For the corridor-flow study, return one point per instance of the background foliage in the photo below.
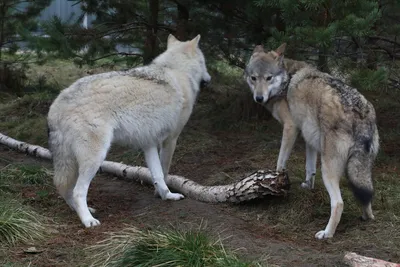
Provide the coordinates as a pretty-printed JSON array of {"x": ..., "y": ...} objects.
[{"x": 353, "y": 36}]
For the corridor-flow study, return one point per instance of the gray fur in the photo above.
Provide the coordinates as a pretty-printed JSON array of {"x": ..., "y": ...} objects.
[{"x": 335, "y": 120}]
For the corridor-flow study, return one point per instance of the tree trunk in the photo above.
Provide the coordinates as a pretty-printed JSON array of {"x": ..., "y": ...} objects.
[
  {"x": 323, "y": 60},
  {"x": 325, "y": 19},
  {"x": 3, "y": 70},
  {"x": 372, "y": 57},
  {"x": 151, "y": 44},
  {"x": 183, "y": 18},
  {"x": 256, "y": 185},
  {"x": 354, "y": 260},
  {"x": 280, "y": 24}
]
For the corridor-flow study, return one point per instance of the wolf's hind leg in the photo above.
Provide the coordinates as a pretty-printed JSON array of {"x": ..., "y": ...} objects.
[
  {"x": 153, "y": 163},
  {"x": 87, "y": 171},
  {"x": 70, "y": 201},
  {"x": 311, "y": 167},
  {"x": 332, "y": 170},
  {"x": 89, "y": 157}
]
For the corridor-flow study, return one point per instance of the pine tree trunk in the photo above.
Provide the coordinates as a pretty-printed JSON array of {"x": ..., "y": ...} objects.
[
  {"x": 323, "y": 60},
  {"x": 3, "y": 11},
  {"x": 183, "y": 18},
  {"x": 151, "y": 44},
  {"x": 256, "y": 185}
]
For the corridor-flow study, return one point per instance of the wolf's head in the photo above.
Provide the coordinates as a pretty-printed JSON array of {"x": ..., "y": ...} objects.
[
  {"x": 187, "y": 57},
  {"x": 265, "y": 73}
]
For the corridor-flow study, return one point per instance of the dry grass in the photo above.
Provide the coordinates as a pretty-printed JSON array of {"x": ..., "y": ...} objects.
[{"x": 19, "y": 223}]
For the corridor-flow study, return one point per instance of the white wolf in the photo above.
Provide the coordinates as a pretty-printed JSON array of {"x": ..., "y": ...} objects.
[{"x": 145, "y": 107}]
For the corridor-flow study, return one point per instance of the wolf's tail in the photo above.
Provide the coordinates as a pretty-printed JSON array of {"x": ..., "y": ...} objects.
[
  {"x": 64, "y": 162},
  {"x": 361, "y": 158}
]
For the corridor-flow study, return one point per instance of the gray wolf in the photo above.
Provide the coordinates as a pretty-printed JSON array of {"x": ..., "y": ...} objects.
[
  {"x": 334, "y": 119},
  {"x": 144, "y": 108}
]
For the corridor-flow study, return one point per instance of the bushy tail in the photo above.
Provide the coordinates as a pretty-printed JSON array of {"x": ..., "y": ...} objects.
[
  {"x": 64, "y": 163},
  {"x": 359, "y": 164},
  {"x": 359, "y": 176}
]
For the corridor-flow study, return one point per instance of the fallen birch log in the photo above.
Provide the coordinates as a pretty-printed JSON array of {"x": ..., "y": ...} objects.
[
  {"x": 256, "y": 185},
  {"x": 354, "y": 260}
]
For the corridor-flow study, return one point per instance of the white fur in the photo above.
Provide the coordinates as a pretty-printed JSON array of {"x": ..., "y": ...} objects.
[
  {"x": 142, "y": 108},
  {"x": 274, "y": 86}
]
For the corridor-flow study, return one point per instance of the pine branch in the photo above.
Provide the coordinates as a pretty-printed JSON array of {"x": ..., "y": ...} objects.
[{"x": 385, "y": 39}]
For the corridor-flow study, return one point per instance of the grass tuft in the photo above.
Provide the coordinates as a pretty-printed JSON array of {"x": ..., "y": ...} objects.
[
  {"x": 24, "y": 174},
  {"x": 192, "y": 248},
  {"x": 19, "y": 224}
]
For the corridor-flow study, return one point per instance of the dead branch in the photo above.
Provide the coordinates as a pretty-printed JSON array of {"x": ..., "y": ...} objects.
[
  {"x": 355, "y": 260},
  {"x": 256, "y": 185}
]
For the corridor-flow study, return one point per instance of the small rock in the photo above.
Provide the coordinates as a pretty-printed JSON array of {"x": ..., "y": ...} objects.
[{"x": 33, "y": 250}]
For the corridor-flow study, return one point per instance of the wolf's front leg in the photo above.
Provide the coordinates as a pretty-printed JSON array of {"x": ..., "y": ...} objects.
[
  {"x": 288, "y": 138},
  {"x": 311, "y": 167},
  {"x": 79, "y": 194},
  {"x": 153, "y": 163}
]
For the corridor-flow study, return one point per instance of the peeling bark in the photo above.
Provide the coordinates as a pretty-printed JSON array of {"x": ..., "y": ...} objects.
[{"x": 256, "y": 185}]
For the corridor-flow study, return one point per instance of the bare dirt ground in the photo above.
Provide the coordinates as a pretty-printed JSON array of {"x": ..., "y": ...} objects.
[{"x": 120, "y": 202}]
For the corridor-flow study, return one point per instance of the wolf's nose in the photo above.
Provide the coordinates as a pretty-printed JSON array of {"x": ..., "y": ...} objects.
[
  {"x": 259, "y": 99},
  {"x": 204, "y": 84}
]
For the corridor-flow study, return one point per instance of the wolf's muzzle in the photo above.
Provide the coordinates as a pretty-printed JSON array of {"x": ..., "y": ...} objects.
[
  {"x": 204, "y": 84},
  {"x": 259, "y": 99}
]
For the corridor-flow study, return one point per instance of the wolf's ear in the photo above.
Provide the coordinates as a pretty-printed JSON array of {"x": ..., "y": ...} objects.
[
  {"x": 192, "y": 45},
  {"x": 281, "y": 49},
  {"x": 196, "y": 40},
  {"x": 258, "y": 49},
  {"x": 171, "y": 40}
]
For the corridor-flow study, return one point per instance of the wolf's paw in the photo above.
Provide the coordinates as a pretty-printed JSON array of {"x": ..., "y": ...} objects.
[
  {"x": 174, "y": 196},
  {"x": 307, "y": 185},
  {"x": 323, "y": 235},
  {"x": 366, "y": 217},
  {"x": 90, "y": 222}
]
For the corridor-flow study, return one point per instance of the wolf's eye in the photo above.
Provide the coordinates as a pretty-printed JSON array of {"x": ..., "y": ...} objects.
[
  {"x": 269, "y": 78},
  {"x": 253, "y": 78}
]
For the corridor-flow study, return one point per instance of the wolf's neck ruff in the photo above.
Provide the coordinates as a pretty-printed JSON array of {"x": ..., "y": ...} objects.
[
  {"x": 285, "y": 86},
  {"x": 283, "y": 90},
  {"x": 291, "y": 67}
]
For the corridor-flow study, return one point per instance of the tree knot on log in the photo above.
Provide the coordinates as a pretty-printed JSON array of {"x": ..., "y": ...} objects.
[{"x": 259, "y": 184}]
